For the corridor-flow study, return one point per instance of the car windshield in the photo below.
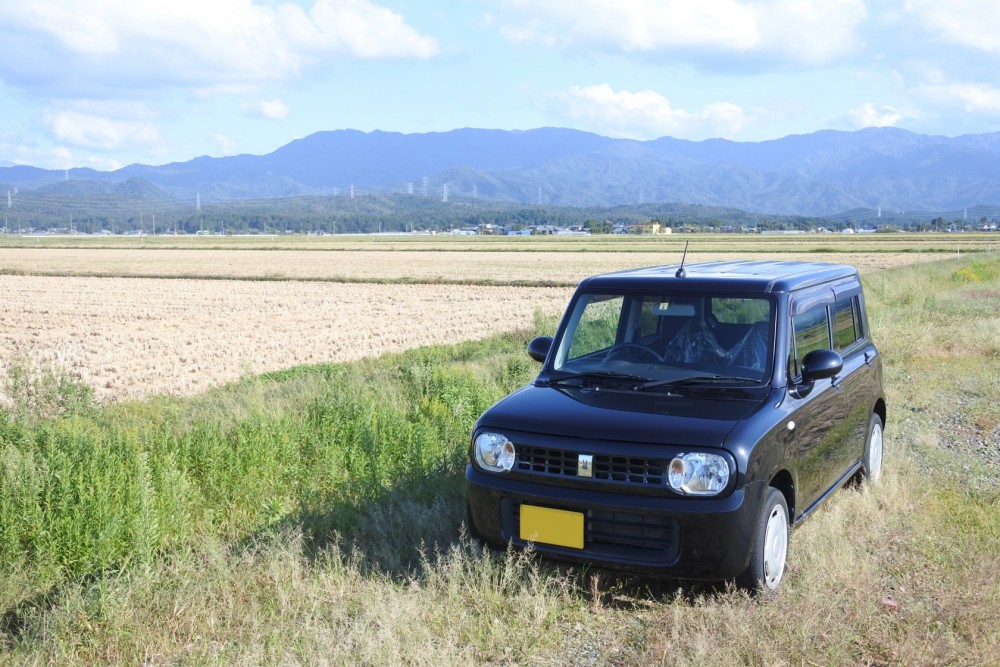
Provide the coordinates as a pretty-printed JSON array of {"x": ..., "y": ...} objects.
[{"x": 665, "y": 337}]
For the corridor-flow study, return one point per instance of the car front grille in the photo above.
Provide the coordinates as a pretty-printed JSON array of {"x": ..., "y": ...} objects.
[
  {"x": 546, "y": 461},
  {"x": 618, "y": 534},
  {"x": 630, "y": 469},
  {"x": 630, "y": 529},
  {"x": 638, "y": 470}
]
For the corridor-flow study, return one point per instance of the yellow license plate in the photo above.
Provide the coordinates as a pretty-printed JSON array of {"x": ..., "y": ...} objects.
[{"x": 549, "y": 526}]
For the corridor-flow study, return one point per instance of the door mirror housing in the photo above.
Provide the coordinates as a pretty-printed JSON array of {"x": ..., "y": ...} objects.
[
  {"x": 539, "y": 348},
  {"x": 821, "y": 364}
]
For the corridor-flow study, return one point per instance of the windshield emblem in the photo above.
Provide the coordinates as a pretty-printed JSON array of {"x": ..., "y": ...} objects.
[{"x": 585, "y": 465}]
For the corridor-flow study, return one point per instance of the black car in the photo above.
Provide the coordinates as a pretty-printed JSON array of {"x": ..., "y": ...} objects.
[{"x": 684, "y": 417}]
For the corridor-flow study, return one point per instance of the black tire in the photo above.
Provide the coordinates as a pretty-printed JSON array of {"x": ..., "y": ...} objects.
[
  {"x": 769, "y": 550},
  {"x": 871, "y": 460}
]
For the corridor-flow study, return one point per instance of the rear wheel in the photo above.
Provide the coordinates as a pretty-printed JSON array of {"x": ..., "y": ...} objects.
[
  {"x": 770, "y": 544},
  {"x": 871, "y": 463}
]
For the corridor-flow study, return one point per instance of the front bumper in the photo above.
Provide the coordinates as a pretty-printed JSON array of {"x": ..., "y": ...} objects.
[{"x": 683, "y": 538}]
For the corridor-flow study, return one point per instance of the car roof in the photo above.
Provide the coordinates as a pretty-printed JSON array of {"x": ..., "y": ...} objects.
[{"x": 737, "y": 276}]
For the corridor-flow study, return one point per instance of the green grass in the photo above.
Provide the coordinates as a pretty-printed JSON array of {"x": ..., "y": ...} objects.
[
  {"x": 314, "y": 515},
  {"x": 90, "y": 491}
]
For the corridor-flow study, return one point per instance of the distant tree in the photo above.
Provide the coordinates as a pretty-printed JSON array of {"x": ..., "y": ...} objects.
[{"x": 598, "y": 226}]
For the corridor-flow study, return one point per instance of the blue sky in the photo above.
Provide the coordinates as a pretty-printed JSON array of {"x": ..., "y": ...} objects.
[{"x": 106, "y": 83}]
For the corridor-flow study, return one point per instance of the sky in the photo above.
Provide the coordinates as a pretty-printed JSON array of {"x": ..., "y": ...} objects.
[{"x": 108, "y": 83}]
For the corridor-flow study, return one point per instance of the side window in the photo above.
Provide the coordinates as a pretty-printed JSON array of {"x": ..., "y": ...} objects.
[
  {"x": 597, "y": 328},
  {"x": 810, "y": 331},
  {"x": 741, "y": 311},
  {"x": 846, "y": 329}
]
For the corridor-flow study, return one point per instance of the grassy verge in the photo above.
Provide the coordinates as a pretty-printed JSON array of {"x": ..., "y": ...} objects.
[{"x": 314, "y": 516}]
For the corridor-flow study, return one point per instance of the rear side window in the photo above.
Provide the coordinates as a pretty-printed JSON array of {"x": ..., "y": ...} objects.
[
  {"x": 741, "y": 311},
  {"x": 846, "y": 323},
  {"x": 810, "y": 331}
]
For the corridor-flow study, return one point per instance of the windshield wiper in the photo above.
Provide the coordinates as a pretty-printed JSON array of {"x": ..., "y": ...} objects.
[
  {"x": 599, "y": 376},
  {"x": 694, "y": 380}
]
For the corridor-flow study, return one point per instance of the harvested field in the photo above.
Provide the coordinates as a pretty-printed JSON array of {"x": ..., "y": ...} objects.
[
  {"x": 129, "y": 337},
  {"x": 369, "y": 265},
  {"x": 942, "y": 244},
  {"x": 133, "y": 317}
]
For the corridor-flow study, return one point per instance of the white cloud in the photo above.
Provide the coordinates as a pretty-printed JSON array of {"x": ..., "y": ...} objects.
[
  {"x": 107, "y": 134},
  {"x": 270, "y": 109},
  {"x": 870, "y": 115},
  {"x": 124, "y": 44},
  {"x": 223, "y": 144},
  {"x": 647, "y": 114},
  {"x": 55, "y": 157},
  {"x": 808, "y": 32},
  {"x": 973, "y": 98},
  {"x": 972, "y": 24},
  {"x": 359, "y": 28}
]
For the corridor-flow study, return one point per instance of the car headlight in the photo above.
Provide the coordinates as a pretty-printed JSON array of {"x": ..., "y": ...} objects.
[
  {"x": 494, "y": 452},
  {"x": 698, "y": 474}
]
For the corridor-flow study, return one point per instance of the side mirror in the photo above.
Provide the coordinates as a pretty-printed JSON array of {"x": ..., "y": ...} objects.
[
  {"x": 539, "y": 348},
  {"x": 821, "y": 364}
]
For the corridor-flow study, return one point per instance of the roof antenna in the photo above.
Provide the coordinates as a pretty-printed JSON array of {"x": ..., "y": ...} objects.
[{"x": 680, "y": 271}]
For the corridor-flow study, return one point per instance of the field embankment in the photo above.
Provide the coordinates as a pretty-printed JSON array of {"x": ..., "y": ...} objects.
[{"x": 313, "y": 516}]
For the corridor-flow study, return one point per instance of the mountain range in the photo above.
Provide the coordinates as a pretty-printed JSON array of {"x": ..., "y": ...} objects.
[{"x": 816, "y": 174}]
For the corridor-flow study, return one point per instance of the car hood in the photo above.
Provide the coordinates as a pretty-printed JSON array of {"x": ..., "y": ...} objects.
[{"x": 653, "y": 418}]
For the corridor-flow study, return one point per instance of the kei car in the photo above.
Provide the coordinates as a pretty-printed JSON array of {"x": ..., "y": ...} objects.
[{"x": 684, "y": 418}]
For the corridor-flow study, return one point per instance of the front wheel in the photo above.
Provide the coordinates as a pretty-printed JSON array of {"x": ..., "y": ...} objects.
[
  {"x": 770, "y": 544},
  {"x": 871, "y": 463}
]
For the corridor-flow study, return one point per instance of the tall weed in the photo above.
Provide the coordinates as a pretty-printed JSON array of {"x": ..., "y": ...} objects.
[
  {"x": 84, "y": 492},
  {"x": 39, "y": 392}
]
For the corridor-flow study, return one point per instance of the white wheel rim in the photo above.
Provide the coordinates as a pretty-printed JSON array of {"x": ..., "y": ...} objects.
[
  {"x": 775, "y": 546},
  {"x": 875, "y": 453}
]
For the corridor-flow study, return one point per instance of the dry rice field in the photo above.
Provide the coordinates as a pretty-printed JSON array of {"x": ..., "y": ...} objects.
[
  {"x": 501, "y": 266},
  {"x": 133, "y": 321},
  {"x": 133, "y": 337}
]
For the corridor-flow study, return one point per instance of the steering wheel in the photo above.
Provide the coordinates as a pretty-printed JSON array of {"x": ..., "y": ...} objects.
[{"x": 635, "y": 350}]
